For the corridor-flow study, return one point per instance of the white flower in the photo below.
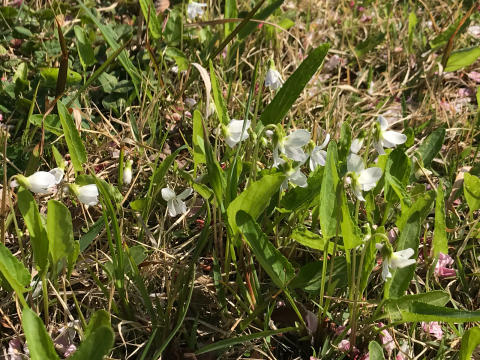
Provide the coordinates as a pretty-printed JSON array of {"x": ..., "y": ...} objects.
[
  {"x": 295, "y": 176},
  {"x": 319, "y": 156},
  {"x": 398, "y": 259},
  {"x": 291, "y": 146},
  {"x": 273, "y": 79},
  {"x": 175, "y": 202},
  {"x": 362, "y": 179},
  {"x": 269, "y": 133},
  {"x": 356, "y": 145},
  {"x": 87, "y": 194},
  {"x": 233, "y": 132},
  {"x": 127, "y": 173},
  {"x": 405, "y": 352},
  {"x": 40, "y": 182},
  {"x": 58, "y": 173},
  {"x": 386, "y": 139},
  {"x": 194, "y": 9},
  {"x": 190, "y": 102},
  {"x": 474, "y": 31}
]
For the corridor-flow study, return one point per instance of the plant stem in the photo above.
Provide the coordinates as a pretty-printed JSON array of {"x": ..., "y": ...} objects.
[{"x": 45, "y": 297}]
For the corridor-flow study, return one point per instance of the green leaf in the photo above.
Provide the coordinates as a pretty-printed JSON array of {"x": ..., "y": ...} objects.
[
  {"x": 72, "y": 258},
  {"x": 149, "y": 13},
  {"x": 471, "y": 189},
  {"x": 375, "y": 351},
  {"x": 440, "y": 240},
  {"x": 13, "y": 274},
  {"x": 412, "y": 22},
  {"x": 173, "y": 30},
  {"x": 85, "y": 50},
  {"x": 309, "y": 277},
  {"x": 98, "y": 319},
  {"x": 38, "y": 235},
  {"x": 398, "y": 167},
  {"x": 21, "y": 33},
  {"x": 40, "y": 345},
  {"x": 409, "y": 238},
  {"x": 230, "y": 13},
  {"x": 443, "y": 38},
  {"x": 197, "y": 139},
  {"x": 75, "y": 144},
  {"x": 240, "y": 339},
  {"x": 96, "y": 346},
  {"x": 369, "y": 260},
  {"x": 393, "y": 307},
  {"x": 470, "y": 341},
  {"x": 50, "y": 78},
  {"x": 328, "y": 195},
  {"x": 110, "y": 38},
  {"x": 309, "y": 239},
  {"x": 462, "y": 58},
  {"x": 352, "y": 235},
  {"x": 419, "y": 311},
  {"x": 293, "y": 87},
  {"x": 107, "y": 82},
  {"x": 255, "y": 199},
  {"x": 58, "y": 157},
  {"x": 216, "y": 176},
  {"x": 261, "y": 15},
  {"x": 345, "y": 142},
  {"x": 424, "y": 205},
  {"x": 51, "y": 123},
  {"x": 273, "y": 262},
  {"x": 369, "y": 44},
  {"x": 220, "y": 106},
  {"x": 60, "y": 231},
  {"x": 297, "y": 197}
]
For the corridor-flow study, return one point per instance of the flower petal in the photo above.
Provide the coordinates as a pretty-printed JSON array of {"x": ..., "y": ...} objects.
[
  {"x": 184, "y": 194},
  {"x": 377, "y": 144},
  {"x": 297, "y": 138},
  {"x": 271, "y": 77},
  {"x": 358, "y": 193},
  {"x": 383, "y": 123},
  {"x": 58, "y": 173},
  {"x": 394, "y": 137},
  {"x": 355, "y": 164},
  {"x": 407, "y": 253},
  {"x": 385, "y": 271},
  {"x": 168, "y": 194},
  {"x": 370, "y": 176},
  {"x": 180, "y": 207},
  {"x": 295, "y": 153},
  {"x": 172, "y": 211},
  {"x": 356, "y": 145}
]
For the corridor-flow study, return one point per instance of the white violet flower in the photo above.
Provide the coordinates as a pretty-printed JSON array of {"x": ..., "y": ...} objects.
[
  {"x": 291, "y": 146},
  {"x": 318, "y": 156},
  {"x": 175, "y": 203},
  {"x": 127, "y": 173},
  {"x": 40, "y": 182},
  {"x": 194, "y": 9},
  {"x": 386, "y": 139},
  {"x": 273, "y": 79},
  {"x": 58, "y": 173},
  {"x": 233, "y": 132},
  {"x": 190, "y": 102},
  {"x": 87, "y": 194},
  {"x": 295, "y": 176},
  {"x": 361, "y": 178},
  {"x": 393, "y": 260},
  {"x": 357, "y": 144}
]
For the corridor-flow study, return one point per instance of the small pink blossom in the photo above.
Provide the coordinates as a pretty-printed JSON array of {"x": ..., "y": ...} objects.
[
  {"x": 70, "y": 350},
  {"x": 392, "y": 235},
  {"x": 475, "y": 76},
  {"x": 1, "y": 117},
  {"x": 352, "y": 3},
  {"x": 441, "y": 269},
  {"x": 344, "y": 345},
  {"x": 14, "y": 349},
  {"x": 366, "y": 18},
  {"x": 465, "y": 92},
  {"x": 387, "y": 339},
  {"x": 433, "y": 328},
  {"x": 360, "y": 9},
  {"x": 474, "y": 31},
  {"x": 398, "y": 49}
]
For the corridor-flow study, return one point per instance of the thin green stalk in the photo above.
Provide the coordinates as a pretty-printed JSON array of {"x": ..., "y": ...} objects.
[
  {"x": 253, "y": 168},
  {"x": 367, "y": 148},
  {"x": 45, "y": 297},
  {"x": 120, "y": 168}
]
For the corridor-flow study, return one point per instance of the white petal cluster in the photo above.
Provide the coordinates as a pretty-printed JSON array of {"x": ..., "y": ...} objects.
[
  {"x": 233, "y": 132},
  {"x": 398, "y": 259},
  {"x": 273, "y": 79},
  {"x": 291, "y": 147},
  {"x": 295, "y": 176},
  {"x": 363, "y": 179},
  {"x": 175, "y": 202},
  {"x": 386, "y": 139},
  {"x": 318, "y": 156},
  {"x": 194, "y": 9},
  {"x": 87, "y": 194}
]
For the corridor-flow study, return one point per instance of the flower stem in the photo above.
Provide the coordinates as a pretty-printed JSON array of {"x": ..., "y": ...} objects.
[
  {"x": 253, "y": 168},
  {"x": 367, "y": 148}
]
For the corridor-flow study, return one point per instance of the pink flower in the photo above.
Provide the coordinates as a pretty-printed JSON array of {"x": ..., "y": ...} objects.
[
  {"x": 365, "y": 18},
  {"x": 70, "y": 350},
  {"x": 405, "y": 350},
  {"x": 1, "y": 117},
  {"x": 387, "y": 339},
  {"x": 392, "y": 235},
  {"x": 433, "y": 328},
  {"x": 475, "y": 76},
  {"x": 463, "y": 92},
  {"x": 441, "y": 269},
  {"x": 360, "y": 8},
  {"x": 344, "y": 345}
]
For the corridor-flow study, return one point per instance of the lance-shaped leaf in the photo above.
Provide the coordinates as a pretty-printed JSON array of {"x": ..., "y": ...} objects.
[
  {"x": 59, "y": 231},
  {"x": 40, "y": 344}
]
